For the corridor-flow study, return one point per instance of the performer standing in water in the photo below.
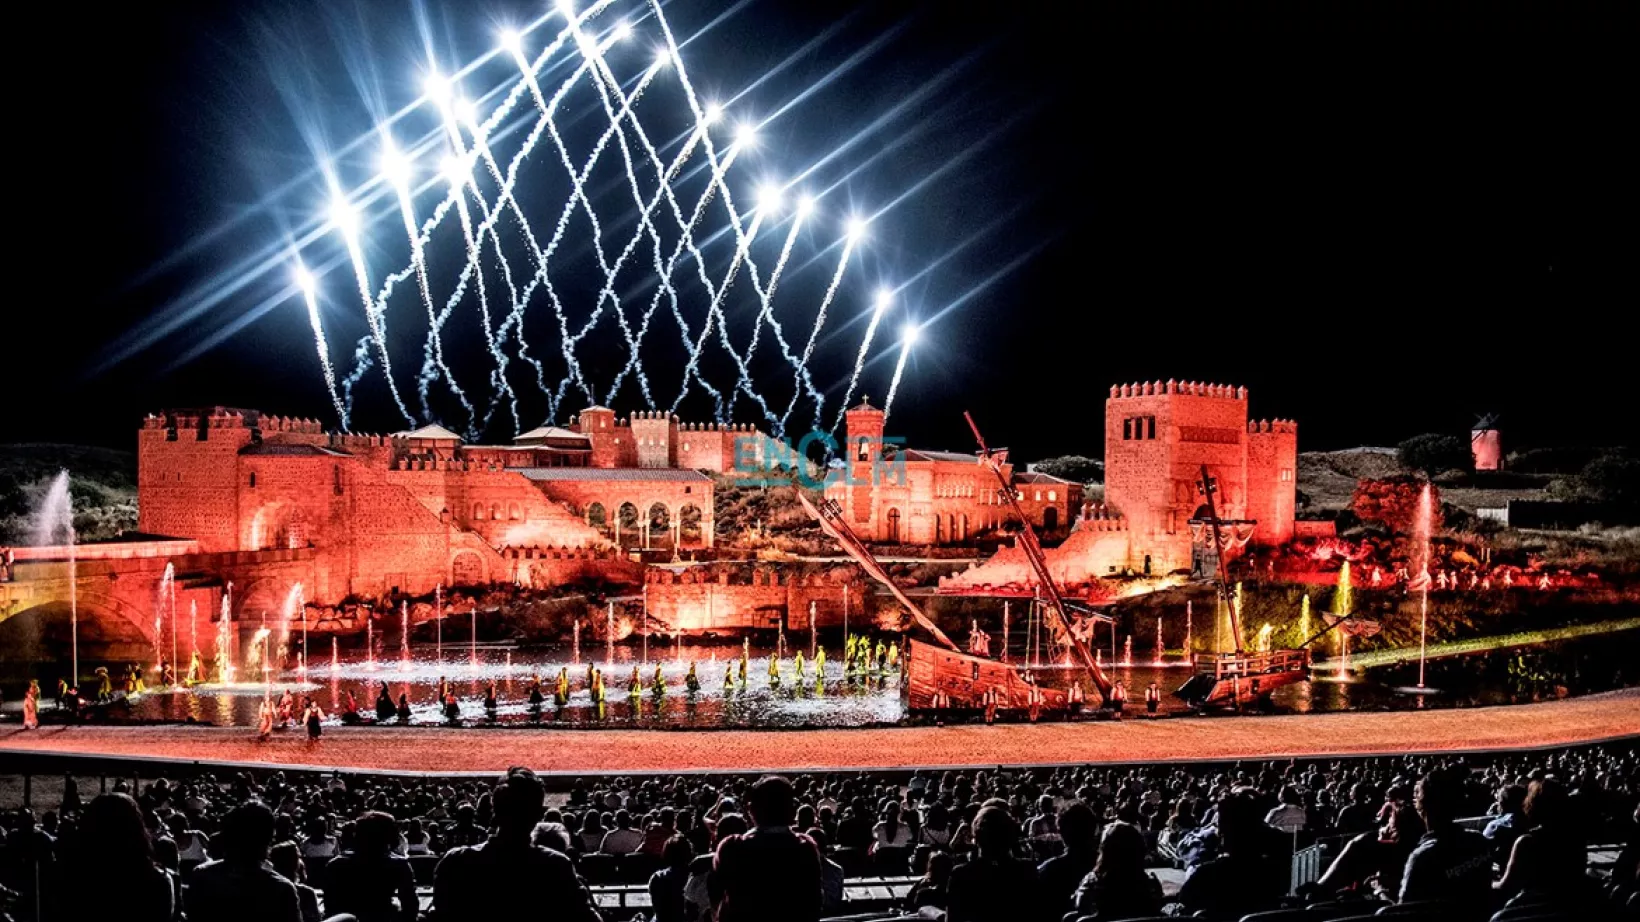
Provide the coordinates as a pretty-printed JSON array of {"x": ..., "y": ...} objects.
[
  {"x": 31, "y": 705},
  {"x": 264, "y": 720}
]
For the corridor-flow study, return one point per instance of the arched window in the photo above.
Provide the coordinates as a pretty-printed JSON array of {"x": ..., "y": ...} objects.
[
  {"x": 495, "y": 510},
  {"x": 863, "y": 453},
  {"x": 478, "y": 512},
  {"x": 513, "y": 512},
  {"x": 597, "y": 517},
  {"x": 1053, "y": 496}
]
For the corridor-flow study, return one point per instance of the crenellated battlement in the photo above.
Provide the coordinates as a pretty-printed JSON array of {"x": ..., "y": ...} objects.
[
  {"x": 1287, "y": 426},
  {"x": 1185, "y": 388}
]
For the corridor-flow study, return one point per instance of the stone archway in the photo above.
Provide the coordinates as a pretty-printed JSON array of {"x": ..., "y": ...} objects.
[
  {"x": 598, "y": 517},
  {"x": 38, "y": 642},
  {"x": 658, "y": 521},
  {"x": 626, "y": 521},
  {"x": 467, "y": 569},
  {"x": 1050, "y": 518},
  {"x": 690, "y": 532},
  {"x": 892, "y": 534}
]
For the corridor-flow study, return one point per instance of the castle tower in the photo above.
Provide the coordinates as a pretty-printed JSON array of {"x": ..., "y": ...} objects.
[
  {"x": 863, "y": 452},
  {"x": 598, "y": 424},
  {"x": 1158, "y": 435},
  {"x": 188, "y": 474},
  {"x": 1272, "y": 479},
  {"x": 656, "y": 436}
]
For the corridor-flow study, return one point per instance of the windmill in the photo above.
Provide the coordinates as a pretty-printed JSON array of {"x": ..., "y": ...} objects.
[{"x": 1485, "y": 444}]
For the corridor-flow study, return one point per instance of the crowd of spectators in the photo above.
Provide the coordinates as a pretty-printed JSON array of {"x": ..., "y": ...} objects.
[{"x": 1019, "y": 845}]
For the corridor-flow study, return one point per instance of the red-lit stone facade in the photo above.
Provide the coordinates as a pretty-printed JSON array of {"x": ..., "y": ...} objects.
[
  {"x": 1158, "y": 435},
  {"x": 896, "y": 495},
  {"x": 409, "y": 511}
]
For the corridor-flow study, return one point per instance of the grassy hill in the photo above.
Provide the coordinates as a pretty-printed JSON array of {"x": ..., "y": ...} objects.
[{"x": 102, "y": 481}]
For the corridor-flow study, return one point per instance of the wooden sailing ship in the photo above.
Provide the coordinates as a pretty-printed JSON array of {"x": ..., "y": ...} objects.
[
  {"x": 941, "y": 675},
  {"x": 1234, "y": 679}
]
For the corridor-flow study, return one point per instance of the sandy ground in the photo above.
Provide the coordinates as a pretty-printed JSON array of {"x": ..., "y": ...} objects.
[{"x": 1554, "y": 723}]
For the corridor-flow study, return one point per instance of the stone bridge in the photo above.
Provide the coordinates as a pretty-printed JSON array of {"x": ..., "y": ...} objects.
[{"x": 125, "y": 614}]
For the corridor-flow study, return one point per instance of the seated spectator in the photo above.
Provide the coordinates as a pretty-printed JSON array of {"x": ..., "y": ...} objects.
[
  {"x": 1289, "y": 816},
  {"x": 1449, "y": 864},
  {"x": 623, "y": 839},
  {"x": 994, "y": 886},
  {"x": 889, "y": 831},
  {"x": 1118, "y": 885},
  {"x": 666, "y": 885},
  {"x": 1374, "y": 861},
  {"x": 113, "y": 847},
  {"x": 702, "y": 891},
  {"x": 492, "y": 880},
  {"x": 770, "y": 872},
  {"x": 1550, "y": 857},
  {"x": 932, "y": 890},
  {"x": 318, "y": 845},
  {"x": 466, "y": 830},
  {"x": 551, "y": 835},
  {"x": 416, "y": 839},
  {"x": 242, "y": 886},
  {"x": 1243, "y": 878},
  {"x": 936, "y": 829},
  {"x": 1510, "y": 822},
  {"x": 286, "y": 858},
  {"x": 831, "y": 875},
  {"x": 592, "y": 832},
  {"x": 365, "y": 881},
  {"x": 1079, "y": 837}
]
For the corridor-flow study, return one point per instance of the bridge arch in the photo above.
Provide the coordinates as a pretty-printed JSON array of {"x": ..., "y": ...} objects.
[{"x": 38, "y": 639}]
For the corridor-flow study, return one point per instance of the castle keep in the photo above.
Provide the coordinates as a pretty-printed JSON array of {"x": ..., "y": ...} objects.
[{"x": 1158, "y": 435}]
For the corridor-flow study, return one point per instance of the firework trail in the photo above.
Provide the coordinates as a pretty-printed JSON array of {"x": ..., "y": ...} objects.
[
  {"x": 814, "y": 336},
  {"x": 906, "y": 339},
  {"x": 433, "y": 365},
  {"x": 663, "y": 268},
  {"x": 347, "y": 221},
  {"x": 883, "y": 301},
  {"x": 601, "y": 75},
  {"x": 310, "y": 294},
  {"x": 768, "y": 313},
  {"x": 715, "y": 310},
  {"x": 498, "y": 376},
  {"x": 691, "y": 368}
]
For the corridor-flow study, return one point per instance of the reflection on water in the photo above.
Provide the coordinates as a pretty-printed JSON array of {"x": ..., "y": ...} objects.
[{"x": 1572, "y": 667}]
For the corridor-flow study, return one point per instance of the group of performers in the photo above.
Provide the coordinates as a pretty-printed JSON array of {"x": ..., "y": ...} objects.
[{"x": 284, "y": 712}]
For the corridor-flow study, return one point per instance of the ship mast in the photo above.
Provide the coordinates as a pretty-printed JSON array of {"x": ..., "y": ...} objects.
[
  {"x": 1053, "y": 601},
  {"x": 1208, "y": 486}
]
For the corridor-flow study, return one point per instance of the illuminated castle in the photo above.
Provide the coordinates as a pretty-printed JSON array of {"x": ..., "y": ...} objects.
[
  {"x": 898, "y": 495},
  {"x": 418, "y": 509},
  {"x": 1158, "y": 435}
]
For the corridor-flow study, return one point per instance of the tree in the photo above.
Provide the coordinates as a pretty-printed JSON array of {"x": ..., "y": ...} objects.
[
  {"x": 1393, "y": 503},
  {"x": 1434, "y": 453},
  {"x": 1610, "y": 478},
  {"x": 1072, "y": 467}
]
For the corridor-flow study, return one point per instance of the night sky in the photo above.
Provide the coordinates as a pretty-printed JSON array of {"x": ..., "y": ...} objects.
[{"x": 1381, "y": 223}]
